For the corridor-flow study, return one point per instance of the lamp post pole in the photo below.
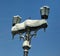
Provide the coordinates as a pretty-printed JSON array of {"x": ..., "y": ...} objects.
[
  {"x": 26, "y": 43},
  {"x": 25, "y": 27}
]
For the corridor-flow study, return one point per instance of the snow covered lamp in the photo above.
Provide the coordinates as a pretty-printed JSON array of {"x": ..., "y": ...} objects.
[
  {"x": 16, "y": 19},
  {"x": 29, "y": 28},
  {"x": 44, "y": 11}
]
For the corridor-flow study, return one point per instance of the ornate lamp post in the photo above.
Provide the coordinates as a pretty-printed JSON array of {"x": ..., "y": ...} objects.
[{"x": 29, "y": 26}]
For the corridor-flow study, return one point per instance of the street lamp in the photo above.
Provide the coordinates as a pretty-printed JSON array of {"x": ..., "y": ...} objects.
[
  {"x": 26, "y": 28},
  {"x": 16, "y": 19},
  {"x": 44, "y": 11}
]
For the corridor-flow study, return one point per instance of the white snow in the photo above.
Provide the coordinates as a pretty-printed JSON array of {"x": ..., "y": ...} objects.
[
  {"x": 34, "y": 23},
  {"x": 28, "y": 22}
]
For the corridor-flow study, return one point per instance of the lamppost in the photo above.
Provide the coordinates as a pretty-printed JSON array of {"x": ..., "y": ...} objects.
[{"x": 29, "y": 28}]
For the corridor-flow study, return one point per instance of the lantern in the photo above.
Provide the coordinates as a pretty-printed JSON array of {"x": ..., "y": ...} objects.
[{"x": 44, "y": 11}]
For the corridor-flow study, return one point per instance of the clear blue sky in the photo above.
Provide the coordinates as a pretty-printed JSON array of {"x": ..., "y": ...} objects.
[{"x": 46, "y": 43}]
